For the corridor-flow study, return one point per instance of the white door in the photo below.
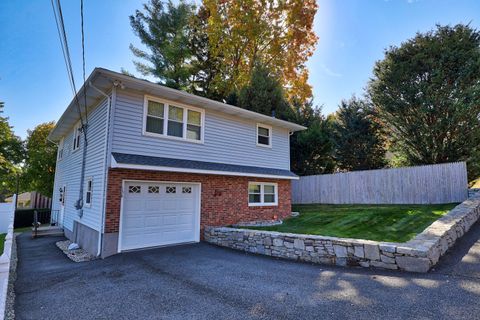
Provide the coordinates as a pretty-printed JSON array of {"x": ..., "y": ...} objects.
[
  {"x": 156, "y": 214},
  {"x": 61, "y": 214}
]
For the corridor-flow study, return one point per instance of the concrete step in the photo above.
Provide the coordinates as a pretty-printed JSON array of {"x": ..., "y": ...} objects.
[{"x": 47, "y": 231}]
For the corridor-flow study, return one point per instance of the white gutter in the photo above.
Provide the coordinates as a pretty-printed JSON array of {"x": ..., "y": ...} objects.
[{"x": 105, "y": 169}]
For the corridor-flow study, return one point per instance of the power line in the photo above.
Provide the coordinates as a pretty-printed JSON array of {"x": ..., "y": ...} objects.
[
  {"x": 57, "y": 12},
  {"x": 83, "y": 61}
]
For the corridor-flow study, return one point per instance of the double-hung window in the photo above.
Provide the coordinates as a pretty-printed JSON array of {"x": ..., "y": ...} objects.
[
  {"x": 262, "y": 194},
  {"x": 172, "y": 120},
  {"x": 264, "y": 135},
  {"x": 60, "y": 149},
  {"x": 77, "y": 134},
  {"x": 88, "y": 192}
]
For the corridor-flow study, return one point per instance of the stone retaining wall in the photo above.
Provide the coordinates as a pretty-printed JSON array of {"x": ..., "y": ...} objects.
[
  {"x": 417, "y": 255},
  {"x": 473, "y": 192}
]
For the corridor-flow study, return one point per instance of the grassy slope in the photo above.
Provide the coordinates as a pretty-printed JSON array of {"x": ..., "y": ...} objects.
[
  {"x": 393, "y": 223},
  {"x": 2, "y": 241}
]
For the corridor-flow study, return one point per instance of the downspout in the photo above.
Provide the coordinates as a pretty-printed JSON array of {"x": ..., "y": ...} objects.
[{"x": 105, "y": 169}]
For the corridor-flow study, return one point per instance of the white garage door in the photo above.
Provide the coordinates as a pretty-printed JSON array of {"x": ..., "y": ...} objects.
[{"x": 156, "y": 214}]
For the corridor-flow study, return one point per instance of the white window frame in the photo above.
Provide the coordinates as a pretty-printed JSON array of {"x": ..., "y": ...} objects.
[
  {"x": 262, "y": 202},
  {"x": 61, "y": 149},
  {"x": 87, "y": 181},
  {"x": 77, "y": 137},
  {"x": 185, "y": 108},
  {"x": 259, "y": 125}
]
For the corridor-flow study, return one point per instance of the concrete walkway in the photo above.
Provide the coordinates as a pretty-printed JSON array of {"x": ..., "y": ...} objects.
[{"x": 205, "y": 282}]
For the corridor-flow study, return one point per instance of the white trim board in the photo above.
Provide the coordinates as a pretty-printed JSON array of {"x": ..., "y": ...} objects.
[{"x": 115, "y": 164}]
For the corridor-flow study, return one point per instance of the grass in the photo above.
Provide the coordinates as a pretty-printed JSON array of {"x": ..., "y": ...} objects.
[
  {"x": 2, "y": 242},
  {"x": 391, "y": 223}
]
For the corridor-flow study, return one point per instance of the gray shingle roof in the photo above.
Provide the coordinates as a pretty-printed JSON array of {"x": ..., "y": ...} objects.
[{"x": 134, "y": 159}]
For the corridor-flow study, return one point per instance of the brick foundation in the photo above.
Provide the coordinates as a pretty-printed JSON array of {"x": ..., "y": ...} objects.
[{"x": 224, "y": 199}]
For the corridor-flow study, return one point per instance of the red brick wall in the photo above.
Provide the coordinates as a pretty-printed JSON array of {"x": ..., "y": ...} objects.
[{"x": 224, "y": 198}]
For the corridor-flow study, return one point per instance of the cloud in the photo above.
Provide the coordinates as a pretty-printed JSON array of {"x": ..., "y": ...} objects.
[{"x": 329, "y": 72}]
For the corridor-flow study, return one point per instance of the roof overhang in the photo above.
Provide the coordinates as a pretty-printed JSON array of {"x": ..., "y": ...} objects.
[
  {"x": 140, "y": 162},
  {"x": 104, "y": 80}
]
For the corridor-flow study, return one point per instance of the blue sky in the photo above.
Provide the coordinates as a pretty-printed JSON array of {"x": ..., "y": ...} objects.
[{"x": 353, "y": 35}]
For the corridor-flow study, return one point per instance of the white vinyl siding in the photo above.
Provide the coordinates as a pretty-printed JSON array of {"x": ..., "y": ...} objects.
[
  {"x": 69, "y": 169},
  {"x": 227, "y": 138}
]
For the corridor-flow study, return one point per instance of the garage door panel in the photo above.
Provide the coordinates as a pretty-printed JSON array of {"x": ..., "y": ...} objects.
[
  {"x": 153, "y": 217},
  {"x": 133, "y": 204},
  {"x": 153, "y": 205}
]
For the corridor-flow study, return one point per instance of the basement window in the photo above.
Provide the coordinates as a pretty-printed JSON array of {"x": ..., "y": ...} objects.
[{"x": 262, "y": 194}]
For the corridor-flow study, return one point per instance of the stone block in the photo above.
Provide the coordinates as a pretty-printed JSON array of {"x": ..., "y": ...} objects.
[
  {"x": 341, "y": 262},
  {"x": 413, "y": 264},
  {"x": 299, "y": 244},
  {"x": 371, "y": 252},
  {"x": 340, "y": 251},
  {"x": 358, "y": 252},
  {"x": 277, "y": 242},
  {"x": 388, "y": 247},
  {"x": 386, "y": 259},
  {"x": 288, "y": 244},
  {"x": 378, "y": 264},
  {"x": 267, "y": 241}
]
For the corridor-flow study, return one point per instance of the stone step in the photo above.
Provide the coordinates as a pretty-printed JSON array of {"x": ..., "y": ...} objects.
[{"x": 48, "y": 231}]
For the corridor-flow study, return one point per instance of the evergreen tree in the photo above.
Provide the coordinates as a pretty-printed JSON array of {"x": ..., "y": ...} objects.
[
  {"x": 41, "y": 156},
  {"x": 264, "y": 94},
  {"x": 427, "y": 92},
  {"x": 311, "y": 149},
  {"x": 358, "y": 142},
  {"x": 11, "y": 156}
]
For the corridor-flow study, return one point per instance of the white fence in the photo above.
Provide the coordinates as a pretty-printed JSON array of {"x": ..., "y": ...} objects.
[
  {"x": 439, "y": 183},
  {"x": 7, "y": 215}
]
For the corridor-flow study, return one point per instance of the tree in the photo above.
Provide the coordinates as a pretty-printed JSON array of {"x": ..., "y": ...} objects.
[
  {"x": 359, "y": 144},
  {"x": 41, "y": 156},
  {"x": 427, "y": 94},
  {"x": 276, "y": 34},
  {"x": 11, "y": 156},
  {"x": 164, "y": 28},
  {"x": 311, "y": 149},
  {"x": 264, "y": 94}
]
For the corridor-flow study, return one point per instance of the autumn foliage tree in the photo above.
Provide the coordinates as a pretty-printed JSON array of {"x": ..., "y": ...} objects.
[
  {"x": 213, "y": 50},
  {"x": 276, "y": 34}
]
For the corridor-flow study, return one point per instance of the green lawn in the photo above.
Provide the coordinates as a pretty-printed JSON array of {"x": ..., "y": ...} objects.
[
  {"x": 391, "y": 223},
  {"x": 2, "y": 241}
]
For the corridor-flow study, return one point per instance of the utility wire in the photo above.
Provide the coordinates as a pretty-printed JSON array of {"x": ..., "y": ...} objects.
[
  {"x": 66, "y": 53},
  {"x": 83, "y": 60}
]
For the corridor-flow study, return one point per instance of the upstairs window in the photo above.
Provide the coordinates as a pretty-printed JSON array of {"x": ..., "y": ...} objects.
[
  {"x": 155, "y": 111},
  {"x": 60, "y": 150},
  {"x": 264, "y": 135},
  {"x": 171, "y": 120},
  {"x": 88, "y": 192},
  {"x": 77, "y": 134}
]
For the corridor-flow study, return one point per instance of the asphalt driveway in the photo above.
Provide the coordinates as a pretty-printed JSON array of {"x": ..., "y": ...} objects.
[{"x": 205, "y": 282}]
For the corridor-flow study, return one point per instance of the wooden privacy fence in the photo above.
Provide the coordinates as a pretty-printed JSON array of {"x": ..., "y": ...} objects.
[{"x": 438, "y": 183}]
